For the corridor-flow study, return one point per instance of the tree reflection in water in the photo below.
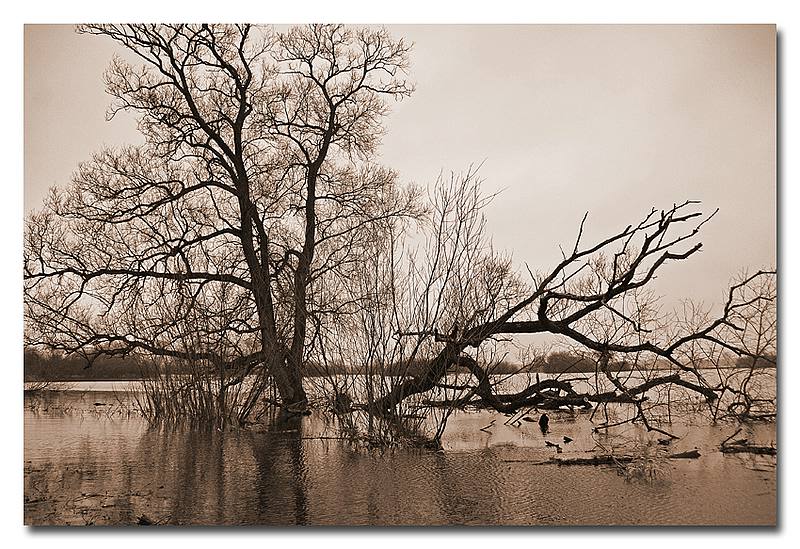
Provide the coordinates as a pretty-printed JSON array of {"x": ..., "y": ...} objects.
[{"x": 87, "y": 470}]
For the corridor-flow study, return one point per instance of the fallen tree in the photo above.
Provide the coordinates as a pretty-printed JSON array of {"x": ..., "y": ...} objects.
[{"x": 466, "y": 298}]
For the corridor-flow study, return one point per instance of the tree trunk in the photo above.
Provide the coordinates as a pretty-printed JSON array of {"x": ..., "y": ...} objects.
[{"x": 289, "y": 382}]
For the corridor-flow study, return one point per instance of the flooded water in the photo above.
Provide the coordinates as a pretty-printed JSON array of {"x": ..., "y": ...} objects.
[{"x": 89, "y": 460}]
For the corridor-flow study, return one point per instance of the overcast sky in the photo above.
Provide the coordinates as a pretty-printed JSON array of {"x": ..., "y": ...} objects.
[{"x": 567, "y": 119}]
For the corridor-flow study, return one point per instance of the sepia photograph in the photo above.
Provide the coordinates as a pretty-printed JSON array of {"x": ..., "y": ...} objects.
[{"x": 400, "y": 275}]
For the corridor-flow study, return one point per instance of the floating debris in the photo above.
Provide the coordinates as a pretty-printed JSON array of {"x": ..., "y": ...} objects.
[
  {"x": 749, "y": 449},
  {"x": 553, "y": 445},
  {"x": 691, "y": 454},
  {"x": 594, "y": 460}
]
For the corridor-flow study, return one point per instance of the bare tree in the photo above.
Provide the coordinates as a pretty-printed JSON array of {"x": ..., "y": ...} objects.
[{"x": 254, "y": 184}]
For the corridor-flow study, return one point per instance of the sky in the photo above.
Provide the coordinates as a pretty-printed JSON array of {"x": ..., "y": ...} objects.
[{"x": 612, "y": 120}]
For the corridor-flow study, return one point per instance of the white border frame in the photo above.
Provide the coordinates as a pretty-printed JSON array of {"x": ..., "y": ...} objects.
[{"x": 408, "y": 11}]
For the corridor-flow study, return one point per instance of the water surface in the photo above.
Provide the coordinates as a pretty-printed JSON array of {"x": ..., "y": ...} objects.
[{"x": 89, "y": 460}]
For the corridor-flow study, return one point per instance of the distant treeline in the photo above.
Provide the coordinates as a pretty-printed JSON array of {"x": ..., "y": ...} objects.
[
  {"x": 54, "y": 367},
  {"x": 563, "y": 362}
]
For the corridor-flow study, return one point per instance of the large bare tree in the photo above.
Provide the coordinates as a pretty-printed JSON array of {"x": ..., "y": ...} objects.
[{"x": 255, "y": 182}]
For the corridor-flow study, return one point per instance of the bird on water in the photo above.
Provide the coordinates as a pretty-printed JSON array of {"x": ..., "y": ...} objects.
[{"x": 543, "y": 423}]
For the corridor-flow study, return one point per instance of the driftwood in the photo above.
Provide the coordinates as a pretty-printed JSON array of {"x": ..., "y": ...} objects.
[
  {"x": 614, "y": 460},
  {"x": 604, "y": 459},
  {"x": 691, "y": 454},
  {"x": 741, "y": 446},
  {"x": 749, "y": 449},
  {"x": 594, "y": 460}
]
